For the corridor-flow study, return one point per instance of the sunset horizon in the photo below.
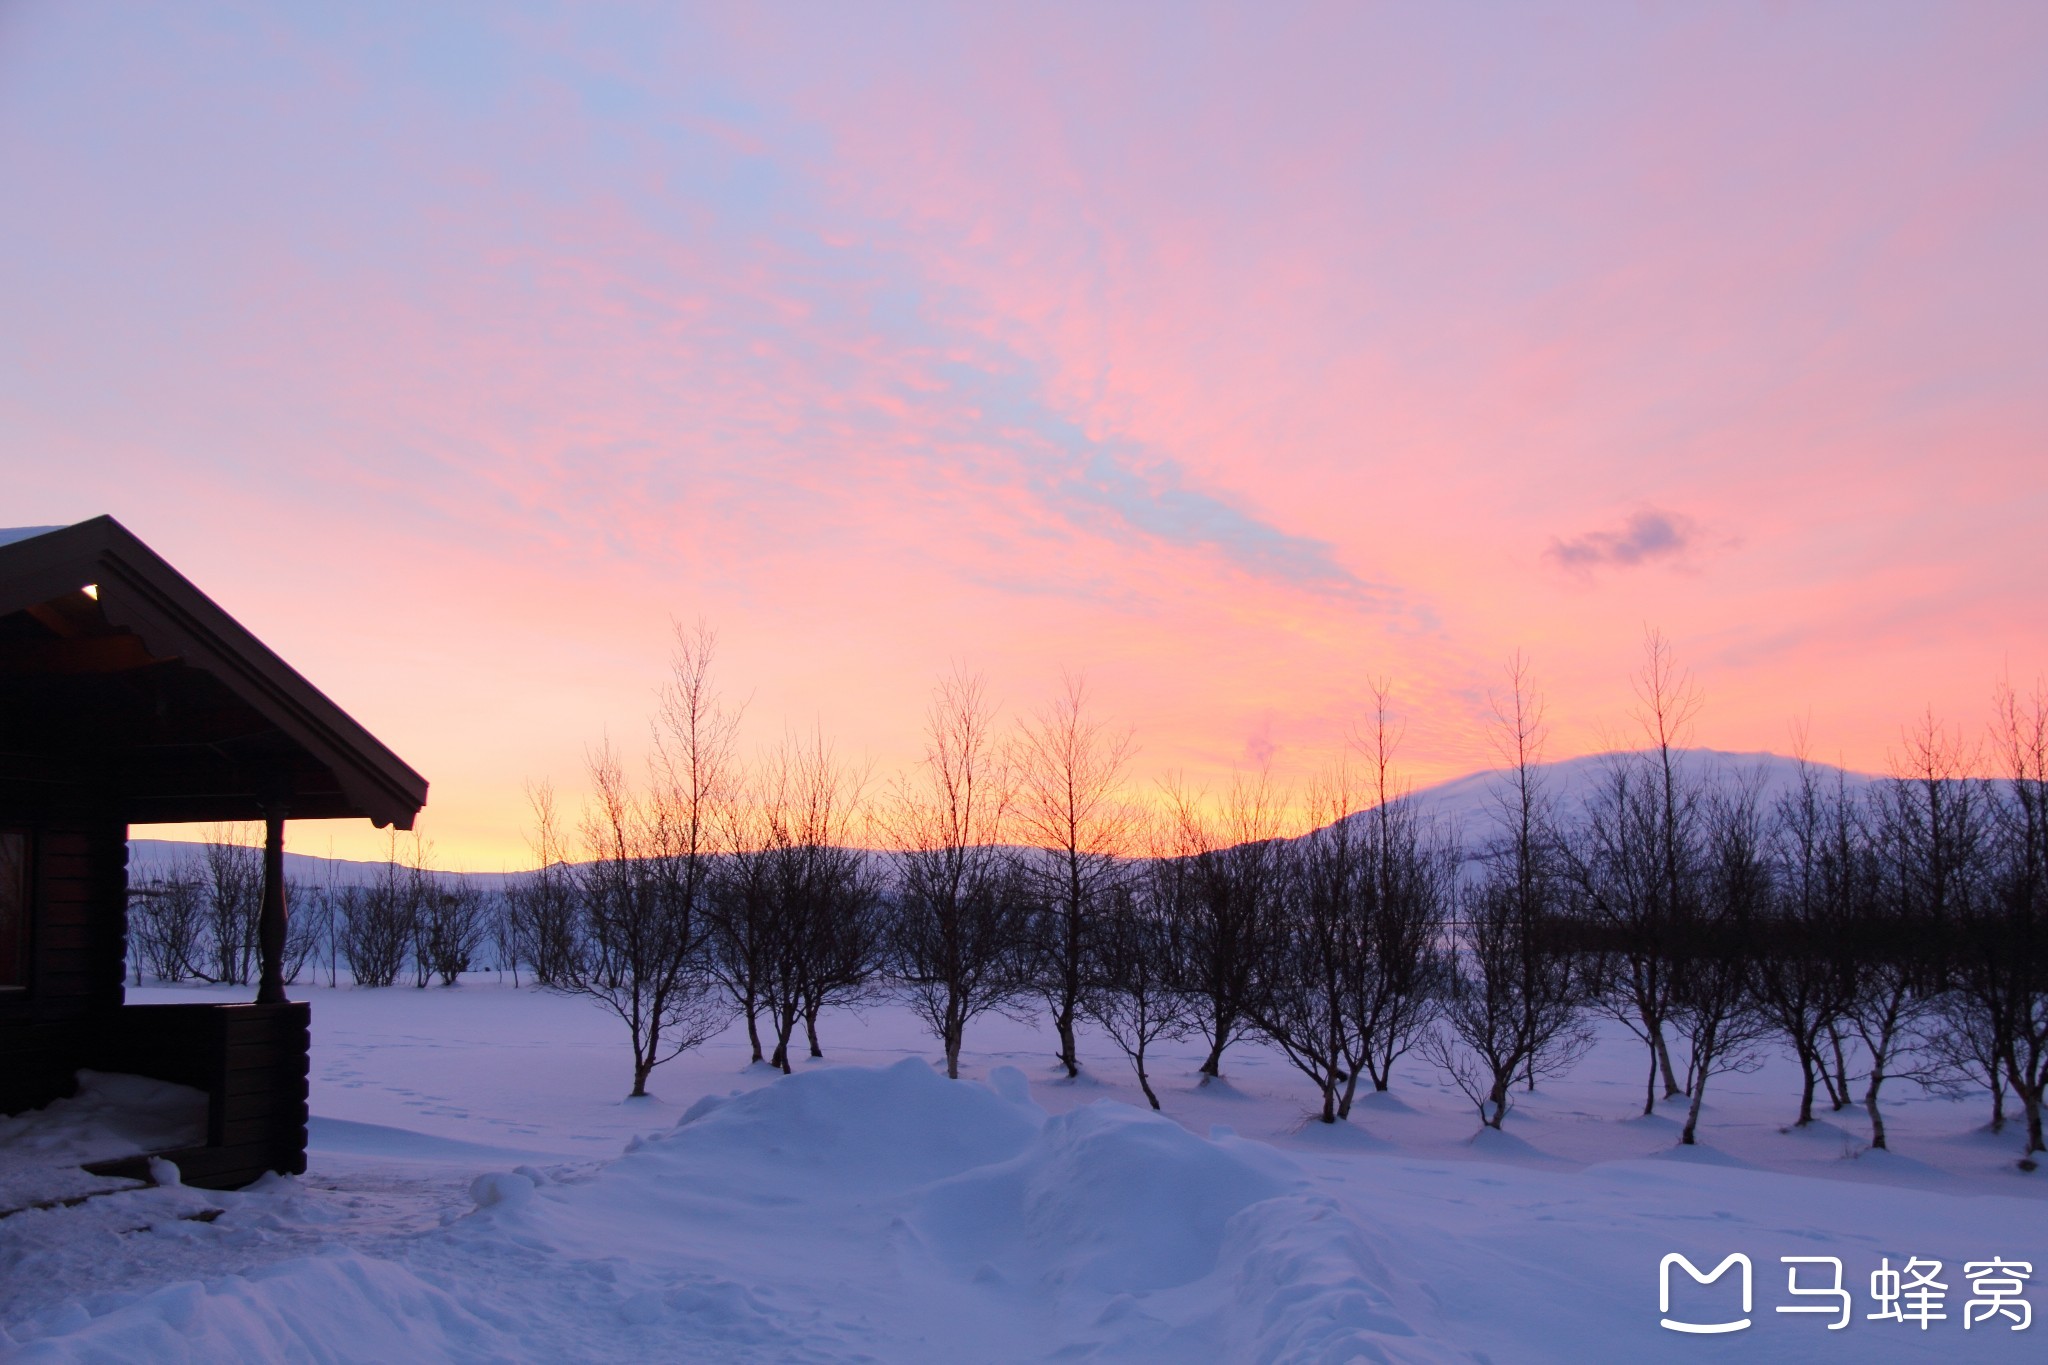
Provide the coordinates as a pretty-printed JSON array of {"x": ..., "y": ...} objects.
[{"x": 1234, "y": 366}]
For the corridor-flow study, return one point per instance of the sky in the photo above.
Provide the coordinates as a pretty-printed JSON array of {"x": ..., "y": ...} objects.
[{"x": 1232, "y": 358}]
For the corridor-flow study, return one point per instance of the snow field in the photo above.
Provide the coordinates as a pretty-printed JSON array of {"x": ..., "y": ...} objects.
[{"x": 479, "y": 1192}]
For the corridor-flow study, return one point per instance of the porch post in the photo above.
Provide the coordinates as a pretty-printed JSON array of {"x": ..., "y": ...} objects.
[{"x": 271, "y": 919}]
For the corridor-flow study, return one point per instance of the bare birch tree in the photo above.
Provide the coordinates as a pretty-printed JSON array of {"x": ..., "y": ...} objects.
[
  {"x": 1713, "y": 983},
  {"x": 817, "y": 892},
  {"x": 2008, "y": 971},
  {"x": 1928, "y": 830},
  {"x": 1228, "y": 872},
  {"x": 641, "y": 940},
  {"x": 1801, "y": 964},
  {"x": 1635, "y": 859},
  {"x": 955, "y": 935},
  {"x": 1129, "y": 985},
  {"x": 1071, "y": 810},
  {"x": 1514, "y": 998},
  {"x": 1410, "y": 874}
]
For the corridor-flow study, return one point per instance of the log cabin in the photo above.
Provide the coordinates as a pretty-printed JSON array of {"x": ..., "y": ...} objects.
[{"x": 128, "y": 697}]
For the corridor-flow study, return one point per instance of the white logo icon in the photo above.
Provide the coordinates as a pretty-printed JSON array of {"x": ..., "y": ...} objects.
[{"x": 1701, "y": 1328}]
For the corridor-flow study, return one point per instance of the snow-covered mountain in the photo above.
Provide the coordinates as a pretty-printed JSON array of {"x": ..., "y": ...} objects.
[
  {"x": 1470, "y": 805},
  {"x": 1467, "y": 806},
  {"x": 157, "y": 857}
]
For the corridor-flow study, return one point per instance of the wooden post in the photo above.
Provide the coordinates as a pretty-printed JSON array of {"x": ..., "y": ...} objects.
[{"x": 270, "y": 923}]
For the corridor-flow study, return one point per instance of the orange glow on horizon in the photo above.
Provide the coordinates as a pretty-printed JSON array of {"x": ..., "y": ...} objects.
[{"x": 1244, "y": 363}]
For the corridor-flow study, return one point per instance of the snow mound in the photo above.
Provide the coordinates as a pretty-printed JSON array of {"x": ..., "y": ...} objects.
[
  {"x": 1306, "y": 1285},
  {"x": 339, "y": 1307},
  {"x": 854, "y": 1129},
  {"x": 1108, "y": 1198}
]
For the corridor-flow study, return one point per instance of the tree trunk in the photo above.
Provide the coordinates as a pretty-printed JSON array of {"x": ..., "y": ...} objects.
[
  {"x": 1870, "y": 1106},
  {"x": 1827, "y": 1080},
  {"x": 1214, "y": 1066},
  {"x": 785, "y": 1028},
  {"x": 1144, "y": 1081},
  {"x": 1671, "y": 1086},
  {"x": 1699, "y": 1090},
  {"x": 753, "y": 1028},
  {"x": 811, "y": 1031},
  {"x": 1650, "y": 1086},
  {"x": 1350, "y": 1090},
  {"x": 1807, "y": 1068},
  {"x": 952, "y": 1040},
  {"x": 1499, "y": 1100},
  {"x": 1838, "y": 1091},
  {"x": 1064, "y": 1021},
  {"x": 2030, "y": 1104}
]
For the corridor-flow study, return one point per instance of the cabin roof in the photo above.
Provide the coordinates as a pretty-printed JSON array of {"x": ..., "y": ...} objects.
[{"x": 125, "y": 688}]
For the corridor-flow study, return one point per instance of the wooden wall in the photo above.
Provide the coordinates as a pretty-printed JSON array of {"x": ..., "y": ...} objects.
[
  {"x": 251, "y": 1059},
  {"x": 252, "y": 1062},
  {"x": 76, "y": 954}
]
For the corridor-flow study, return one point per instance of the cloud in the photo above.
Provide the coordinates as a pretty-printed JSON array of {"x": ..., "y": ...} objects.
[{"x": 1649, "y": 536}]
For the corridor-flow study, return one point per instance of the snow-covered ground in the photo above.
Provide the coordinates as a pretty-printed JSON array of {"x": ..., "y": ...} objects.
[
  {"x": 42, "y": 1153},
  {"x": 479, "y": 1191}
]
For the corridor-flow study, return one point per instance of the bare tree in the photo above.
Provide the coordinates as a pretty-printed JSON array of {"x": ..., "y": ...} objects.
[
  {"x": 231, "y": 875},
  {"x": 1801, "y": 966},
  {"x": 167, "y": 914},
  {"x": 1635, "y": 860},
  {"x": 1513, "y": 998},
  {"x": 1409, "y": 877},
  {"x": 1226, "y": 885},
  {"x": 379, "y": 921},
  {"x": 540, "y": 909},
  {"x": 1713, "y": 996},
  {"x": 846, "y": 954},
  {"x": 1929, "y": 828},
  {"x": 741, "y": 912},
  {"x": 818, "y": 894},
  {"x": 304, "y": 930},
  {"x": 2006, "y": 960},
  {"x": 1311, "y": 961},
  {"x": 1129, "y": 982},
  {"x": 1072, "y": 810},
  {"x": 641, "y": 931},
  {"x": 503, "y": 932},
  {"x": 955, "y": 935},
  {"x": 454, "y": 922},
  {"x": 640, "y": 941}
]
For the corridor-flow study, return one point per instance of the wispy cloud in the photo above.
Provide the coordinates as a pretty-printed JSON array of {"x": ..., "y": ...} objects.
[{"x": 1648, "y": 536}]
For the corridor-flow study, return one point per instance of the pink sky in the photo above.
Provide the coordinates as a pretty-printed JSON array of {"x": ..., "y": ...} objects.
[{"x": 1232, "y": 357}]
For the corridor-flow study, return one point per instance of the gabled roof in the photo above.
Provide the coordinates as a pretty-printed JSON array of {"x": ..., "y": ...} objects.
[{"x": 125, "y": 685}]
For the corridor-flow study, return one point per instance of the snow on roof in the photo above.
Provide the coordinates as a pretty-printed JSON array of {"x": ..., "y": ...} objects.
[{"x": 10, "y": 534}]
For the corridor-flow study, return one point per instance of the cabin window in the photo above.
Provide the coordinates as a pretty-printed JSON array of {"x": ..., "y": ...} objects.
[{"x": 13, "y": 908}]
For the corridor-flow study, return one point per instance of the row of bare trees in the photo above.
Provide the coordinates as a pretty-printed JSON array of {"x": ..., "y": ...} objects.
[
  {"x": 1877, "y": 933},
  {"x": 196, "y": 919},
  {"x": 1874, "y": 932}
]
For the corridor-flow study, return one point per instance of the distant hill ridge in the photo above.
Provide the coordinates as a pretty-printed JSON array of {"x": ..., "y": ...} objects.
[
  {"x": 1470, "y": 804},
  {"x": 1466, "y": 805}
]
